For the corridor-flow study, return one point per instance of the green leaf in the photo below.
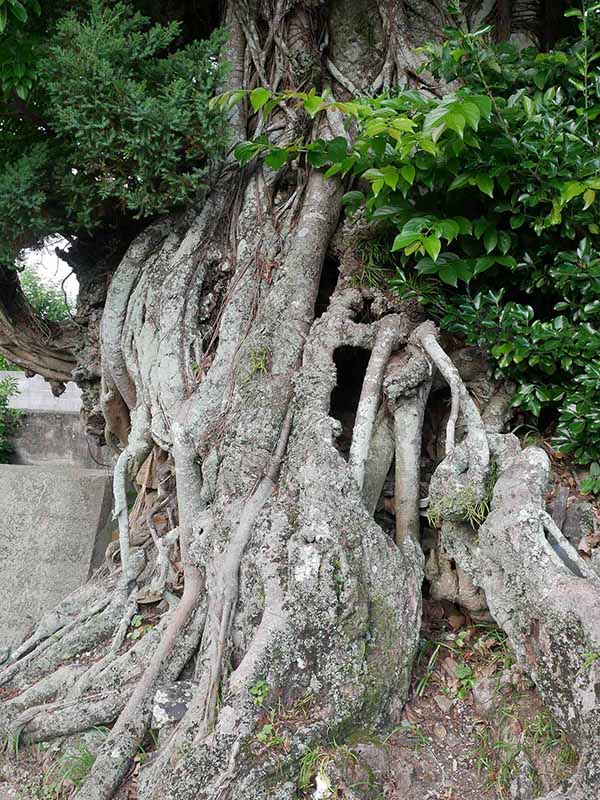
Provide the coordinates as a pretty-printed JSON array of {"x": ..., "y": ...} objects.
[
  {"x": 459, "y": 182},
  {"x": 483, "y": 103},
  {"x": 258, "y": 97},
  {"x": 471, "y": 113},
  {"x": 465, "y": 225},
  {"x": 408, "y": 172},
  {"x": 337, "y": 148},
  {"x": 447, "y": 229},
  {"x": 404, "y": 240},
  {"x": 479, "y": 227},
  {"x": 276, "y": 158},
  {"x": 433, "y": 119},
  {"x": 529, "y": 106},
  {"x": 312, "y": 105},
  {"x": 18, "y": 10},
  {"x": 485, "y": 183},
  {"x": 432, "y": 246},
  {"x": 317, "y": 156},
  {"x": 390, "y": 176},
  {"x": 483, "y": 264},
  {"x": 506, "y": 261},
  {"x": 455, "y": 122},
  {"x": 490, "y": 239},
  {"x": 353, "y": 198},
  {"x": 333, "y": 170},
  {"x": 504, "y": 242},
  {"x": 244, "y": 151},
  {"x": 234, "y": 98},
  {"x": 448, "y": 275},
  {"x": 428, "y": 145},
  {"x": 373, "y": 175},
  {"x": 570, "y": 190},
  {"x": 588, "y": 198}
]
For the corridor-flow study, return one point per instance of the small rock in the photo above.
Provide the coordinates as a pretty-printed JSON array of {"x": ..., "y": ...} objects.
[
  {"x": 171, "y": 703},
  {"x": 375, "y": 757},
  {"x": 484, "y": 695},
  {"x": 439, "y": 731},
  {"x": 443, "y": 702}
]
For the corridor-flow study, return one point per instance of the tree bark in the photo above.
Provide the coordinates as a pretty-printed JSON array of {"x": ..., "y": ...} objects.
[
  {"x": 37, "y": 346},
  {"x": 217, "y": 378}
]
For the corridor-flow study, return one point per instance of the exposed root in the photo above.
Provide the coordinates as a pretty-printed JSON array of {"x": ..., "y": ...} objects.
[
  {"x": 41, "y": 723},
  {"x": 128, "y": 732},
  {"x": 381, "y": 455},
  {"x": 466, "y": 465},
  {"x": 73, "y": 608},
  {"x": 81, "y": 633},
  {"x": 87, "y": 680},
  {"x": 230, "y": 569},
  {"x": 388, "y": 338},
  {"x": 122, "y": 515}
]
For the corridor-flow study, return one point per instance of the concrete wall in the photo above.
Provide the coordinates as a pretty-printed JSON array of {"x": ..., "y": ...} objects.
[
  {"x": 50, "y": 430},
  {"x": 55, "y": 507},
  {"x": 35, "y": 395},
  {"x": 51, "y": 438},
  {"x": 55, "y": 527}
]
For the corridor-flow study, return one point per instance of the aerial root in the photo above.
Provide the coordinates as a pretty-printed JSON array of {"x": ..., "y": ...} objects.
[
  {"x": 55, "y": 720},
  {"x": 230, "y": 571},
  {"x": 466, "y": 464},
  {"x": 406, "y": 386},
  {"x": 388, "y": 337},
  {"x": 128, "y": 732}
]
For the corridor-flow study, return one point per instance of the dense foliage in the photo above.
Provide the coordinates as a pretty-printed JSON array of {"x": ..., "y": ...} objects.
[
  {"x": 47, "y": 298},
  {"x": 488, "y": 195},
  {"x": 107, "y": 120},
  {"x": 8, "y": 417}
]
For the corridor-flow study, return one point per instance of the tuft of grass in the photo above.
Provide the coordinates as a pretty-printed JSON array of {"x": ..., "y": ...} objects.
[
  {"x": 588, "y": 660},
  {"x": 65, "y": 776}
]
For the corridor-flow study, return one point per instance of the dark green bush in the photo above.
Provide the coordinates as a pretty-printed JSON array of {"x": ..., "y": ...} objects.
[
  {"x": 116, "y": 125},
  {"x": 8, "y": 417}
]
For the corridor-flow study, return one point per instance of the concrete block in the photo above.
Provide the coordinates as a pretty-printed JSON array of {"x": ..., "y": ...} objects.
[
  {"x": 45, "y": 438},
  {"x": 55, "y": 524}
]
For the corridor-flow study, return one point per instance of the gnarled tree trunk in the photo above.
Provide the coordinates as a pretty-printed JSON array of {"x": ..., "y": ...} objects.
[{"x": 219, "y": 341}]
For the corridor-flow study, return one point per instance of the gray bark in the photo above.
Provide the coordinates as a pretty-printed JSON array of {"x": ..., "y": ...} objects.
[{"x": 213, "y": 363}]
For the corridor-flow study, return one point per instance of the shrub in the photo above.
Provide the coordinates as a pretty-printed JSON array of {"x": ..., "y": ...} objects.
[
  {"x": 487, "y": 196},
  {"x": 116, "y": 125},
  {"x": 8, "y": 417}
]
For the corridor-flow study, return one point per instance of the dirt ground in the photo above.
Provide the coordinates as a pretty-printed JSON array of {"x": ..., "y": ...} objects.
[{"x": 474, "y": 729}]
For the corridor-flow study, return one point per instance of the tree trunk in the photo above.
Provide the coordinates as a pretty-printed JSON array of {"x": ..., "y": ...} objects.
[
  {"x": 300, "y": 617},
  {"x": 35, "y": 345}
]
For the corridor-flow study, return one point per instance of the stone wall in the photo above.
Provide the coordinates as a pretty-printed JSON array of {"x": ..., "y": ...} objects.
[
  {"x": 50, "y": 429},
  {"x": 55, "y": 525},
  {"x": 55, "y": 507}
]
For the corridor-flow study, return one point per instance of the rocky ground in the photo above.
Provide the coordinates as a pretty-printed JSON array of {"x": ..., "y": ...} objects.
[{"x": 474, "y": 729}]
